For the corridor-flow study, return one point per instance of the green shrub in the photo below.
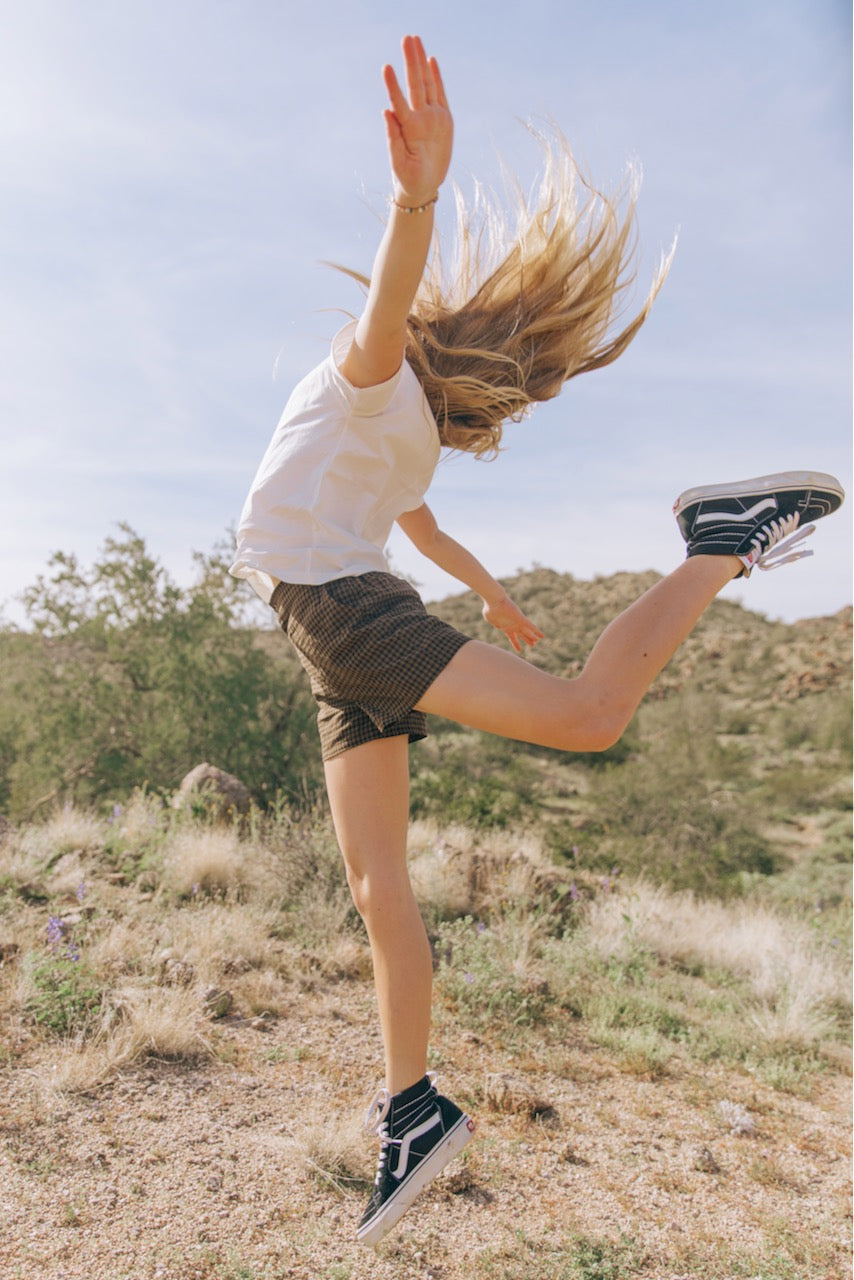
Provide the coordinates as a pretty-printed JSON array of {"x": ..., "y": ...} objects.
[
  {"x": 677, "y": 812},
  {"x": 66, "y": 996},
  {"x": 129, "y": 680},
  {"x": 480, "y": 782}
]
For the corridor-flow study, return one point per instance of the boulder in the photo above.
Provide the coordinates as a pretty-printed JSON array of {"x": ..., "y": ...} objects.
[{"x": 217, "y": 794}]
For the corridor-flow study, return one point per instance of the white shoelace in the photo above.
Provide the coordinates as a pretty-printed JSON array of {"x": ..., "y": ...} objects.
[
  {"x": 780, "y": 537},
  {"x": 376, "y": 1122}
]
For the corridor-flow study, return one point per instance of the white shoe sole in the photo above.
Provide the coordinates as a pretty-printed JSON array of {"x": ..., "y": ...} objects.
[
  {"x": 782, "y": 482},
  {"x": 393, "y": 1210}
]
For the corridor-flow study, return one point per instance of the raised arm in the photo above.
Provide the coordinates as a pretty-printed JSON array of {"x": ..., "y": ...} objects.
[
  {"x": 420, "y": 132},
  {"x": 498, "y": 609}
]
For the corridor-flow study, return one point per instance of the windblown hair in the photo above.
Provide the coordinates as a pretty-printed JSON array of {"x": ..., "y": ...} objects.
[{"x": 521, "y": 311}]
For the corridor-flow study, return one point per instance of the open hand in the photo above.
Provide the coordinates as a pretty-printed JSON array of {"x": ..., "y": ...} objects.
[
  {"x": 505, "y": 616},
  {"x": 420, "y": 130}
]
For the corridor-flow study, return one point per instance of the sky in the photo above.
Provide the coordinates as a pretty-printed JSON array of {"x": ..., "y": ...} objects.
[{"x": 177, "y": 172}]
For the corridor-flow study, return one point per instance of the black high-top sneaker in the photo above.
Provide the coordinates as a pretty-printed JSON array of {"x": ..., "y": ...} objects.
[
  {"x": 419, "y": 1132},
  {"x": 760, "y": 521}
]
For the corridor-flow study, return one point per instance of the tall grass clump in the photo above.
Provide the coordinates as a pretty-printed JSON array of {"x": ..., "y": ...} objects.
[{"x": 206, "y": 861}]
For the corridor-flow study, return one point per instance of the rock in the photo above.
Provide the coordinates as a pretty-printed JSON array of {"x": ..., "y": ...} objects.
[
  {"x": 219, "y": 795},
  {"x": 458, "y": 1181},
  {"x": 705, "y": 1162},
  {"x": 174, "y": 971},
  {"x": 263, "y": 1022},
  {"x": 507, "y": 1093},
  {"x": 568, "y": 1155},
  {"x": 218, "y": 1003}
]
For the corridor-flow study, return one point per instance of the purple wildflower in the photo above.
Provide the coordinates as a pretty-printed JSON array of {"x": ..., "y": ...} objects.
[
  {"x": 55, "y": 932},
  {"x": 573, "y": 892},
  {"x": 81, "y": 891}
]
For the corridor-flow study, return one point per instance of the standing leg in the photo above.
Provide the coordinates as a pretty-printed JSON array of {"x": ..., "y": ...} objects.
[
  {"x": 368, "y": 790},
  {"x": 419, "y": 1130}
]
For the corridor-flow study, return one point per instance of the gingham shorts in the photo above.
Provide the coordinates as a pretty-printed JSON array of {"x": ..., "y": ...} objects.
[{"x": 371, "y": 651}]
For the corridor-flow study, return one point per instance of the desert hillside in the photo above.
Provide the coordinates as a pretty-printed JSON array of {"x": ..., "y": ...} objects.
[{"x": 641, "y": 963}]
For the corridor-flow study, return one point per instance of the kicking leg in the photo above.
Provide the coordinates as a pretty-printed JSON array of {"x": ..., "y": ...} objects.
[
  {"x": 729, "y": 529},
  {"x": 489, "y": 688},
  {"x": 368, "y": 789}
]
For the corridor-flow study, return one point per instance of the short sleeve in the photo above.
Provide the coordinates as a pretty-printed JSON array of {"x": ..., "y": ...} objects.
[{"x": 363, "y": 401}]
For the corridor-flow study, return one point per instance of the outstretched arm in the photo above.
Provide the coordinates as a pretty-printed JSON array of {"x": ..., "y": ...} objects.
[
  {"x": 498, "y": 609},
  {"x": 420, "y": 131}
]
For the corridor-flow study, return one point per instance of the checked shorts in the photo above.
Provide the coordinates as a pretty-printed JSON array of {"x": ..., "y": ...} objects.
[{"x": 371, "y": 651}]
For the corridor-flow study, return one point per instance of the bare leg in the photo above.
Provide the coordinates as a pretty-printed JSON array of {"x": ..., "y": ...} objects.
[
  {"x": 369, "y": 796},
  {"x": 489, "y": 688}
]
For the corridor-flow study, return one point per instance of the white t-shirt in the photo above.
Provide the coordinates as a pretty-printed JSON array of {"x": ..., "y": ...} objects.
[{"x": 343, "y": 464}]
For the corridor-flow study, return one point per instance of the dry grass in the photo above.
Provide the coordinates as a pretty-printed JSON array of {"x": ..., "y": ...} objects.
[
  {"x": 56, "y": 848},
  {"x": 796, "y": 983},
  {"x": 456, "y": 871},
  {"x": 67, "y": 830},
  {"x": 138, "y": 1023},
  {"x": 273, "y": 928},
  {"x": 206, "y": 860},
  {"x": 331, "y": 1149},
  {"x": 218, "y": 937}
]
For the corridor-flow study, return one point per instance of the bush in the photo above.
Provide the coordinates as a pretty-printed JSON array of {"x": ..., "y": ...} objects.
[
  {"x": 130, "y": 681},
  {"x": 677, "y": 811}
]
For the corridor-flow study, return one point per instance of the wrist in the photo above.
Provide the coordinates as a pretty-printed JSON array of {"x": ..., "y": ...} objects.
[
  {"x": 496, "y": 596},
  {"x": 413, "y": 202}
]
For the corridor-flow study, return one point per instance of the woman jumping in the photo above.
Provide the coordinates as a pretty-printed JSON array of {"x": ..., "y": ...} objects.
[{"x": 427, "y": 365}]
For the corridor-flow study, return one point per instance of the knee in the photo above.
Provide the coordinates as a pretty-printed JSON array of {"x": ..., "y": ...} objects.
[
  {"x": 598, "y": 737},
  {"x": 359, "y": 890},
  {"x": 595, "y": 721},
  {"x": 375, "y": 892},
  {"x": 600, "y": 740}
]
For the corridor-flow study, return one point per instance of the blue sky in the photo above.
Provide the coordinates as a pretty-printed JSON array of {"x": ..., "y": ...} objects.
[{"x": 175, "y": 173}]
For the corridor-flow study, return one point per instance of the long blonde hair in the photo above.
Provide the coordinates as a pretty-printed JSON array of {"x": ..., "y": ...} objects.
[{"x": 520, "y": 311}]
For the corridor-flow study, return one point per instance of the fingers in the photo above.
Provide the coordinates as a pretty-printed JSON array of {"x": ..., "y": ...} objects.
[
  {"x": 529, "y": 633},
  {"x": 424, "y": 85},
  {"x": 395, "y": 93},
  {"x": 394, "y": 133},
  {"x": 441, "y": 97},
  {"x": 419, "y": 80}
]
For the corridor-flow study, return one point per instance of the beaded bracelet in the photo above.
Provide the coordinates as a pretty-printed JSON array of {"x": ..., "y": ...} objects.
[{"x": 418, "y": 208}]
